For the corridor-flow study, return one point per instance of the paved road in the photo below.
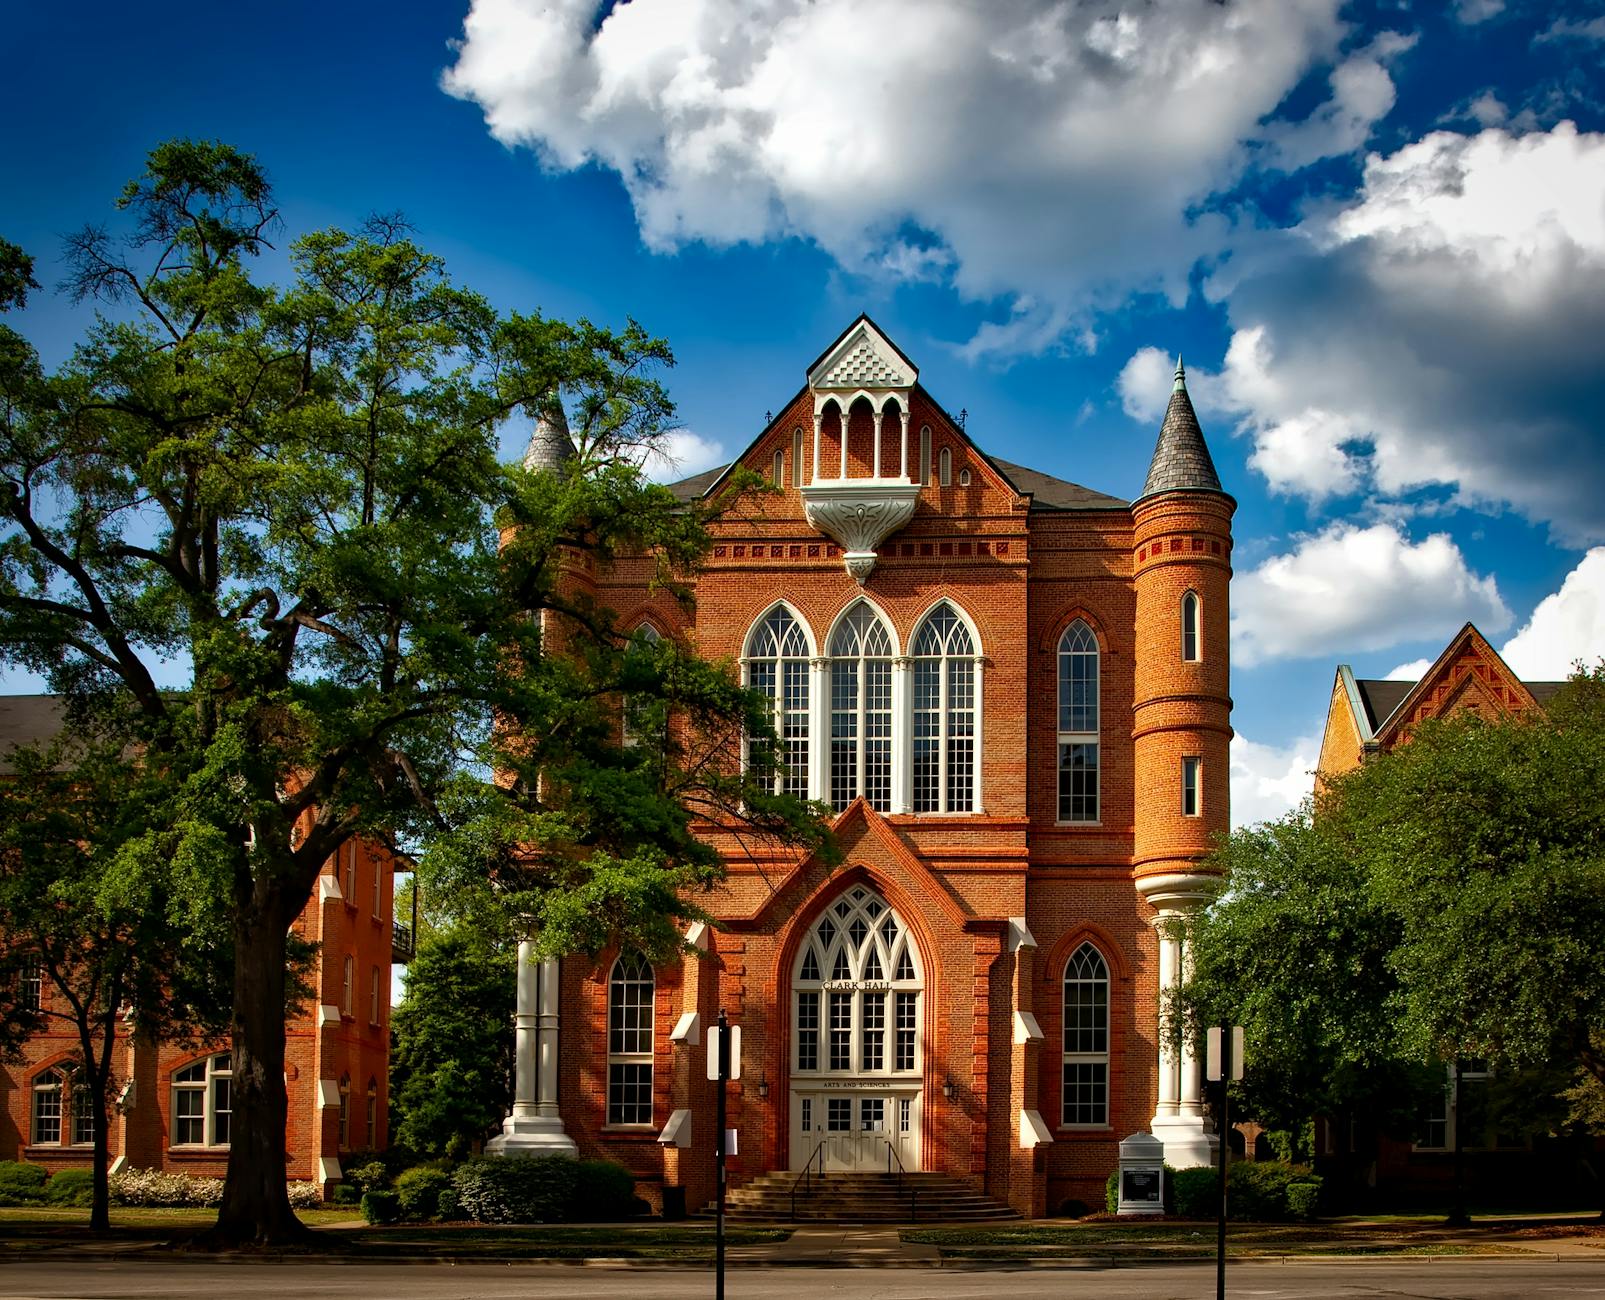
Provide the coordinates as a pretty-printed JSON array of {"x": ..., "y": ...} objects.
[{"x": 1348, "y": 1280}]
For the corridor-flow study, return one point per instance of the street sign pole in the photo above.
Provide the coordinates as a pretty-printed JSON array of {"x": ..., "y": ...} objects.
[
  {"x": 723, "y": 1051},
  {"x": 1226, "y": 1045}
]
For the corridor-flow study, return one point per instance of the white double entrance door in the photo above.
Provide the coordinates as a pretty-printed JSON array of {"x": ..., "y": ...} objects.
[{"x": 844, "y": 1129}]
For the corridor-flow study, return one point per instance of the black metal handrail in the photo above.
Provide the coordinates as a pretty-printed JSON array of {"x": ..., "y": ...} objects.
[
  {"x": 805, "y": 1179},
  {"x": 913, "y": 1192}
]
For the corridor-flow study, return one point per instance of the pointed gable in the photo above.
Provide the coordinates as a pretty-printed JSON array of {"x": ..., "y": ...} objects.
[
  {"x": 1468, "y": 675},
  {"x": 1181, "y": 457},
  {"x": 862, "y": 358}
]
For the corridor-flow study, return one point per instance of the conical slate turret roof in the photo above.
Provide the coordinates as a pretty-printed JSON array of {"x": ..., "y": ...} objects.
[
  {"x": 550, "y": 447},
  {"x": 1181, "y": 459}
]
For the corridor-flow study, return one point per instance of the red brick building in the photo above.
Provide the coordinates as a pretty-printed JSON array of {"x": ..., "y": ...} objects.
[
  {"x": 1014, "y": 691},
  {"x": 172, "y": 1110}
]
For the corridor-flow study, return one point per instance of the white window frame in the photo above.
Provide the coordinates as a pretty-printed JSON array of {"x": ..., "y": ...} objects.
[
  {"x": 830, "y": 937},
  {"x": 774, "y": 654},
  {"x": 343, "y": 1136},
  {"x": 1086, "y": 1042},
  {"x": 378, "y": 894},
  {"x": 49, "y": 1105},
  {"x": 348, "y": 991},
  {"x": 212, "y": 1078},
  {"x": 348, "y": 886},
  {"x": 631, "y": 1037},
  {"x": 373, "y": 999},
  {"x": 944, "y": 472},
  {"x": 952, "y": 660},
  {"x": 372, "y": 1112},
  {"x": 852, "y": 638},
  {"x": 797, "y": 457},
  {"x": 1192, "y": 786},
  {"x": 1192, "y": 637},
  {"x": 31, "y": 983},
  {"x": 777, "y": 470},
  {"x": 1071, "y": 643}
]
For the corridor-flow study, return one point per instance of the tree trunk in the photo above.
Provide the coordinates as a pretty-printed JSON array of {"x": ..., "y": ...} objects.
[
  {"x": 100, "y": 1207},
  {"x": 256, "y": 1201}
]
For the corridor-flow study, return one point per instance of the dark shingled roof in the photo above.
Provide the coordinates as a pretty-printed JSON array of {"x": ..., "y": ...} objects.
[
  {"x": 550, "y": 447},
  {"x": 1381, "y": 698},
  {"x": 689, "y": 489},
  {"x": 27, "y": 720},
  {"x": 1181, "y": 459},
  {"x": 1049, "y": 493}
]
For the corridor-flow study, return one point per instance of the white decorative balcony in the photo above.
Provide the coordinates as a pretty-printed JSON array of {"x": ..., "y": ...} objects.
[{"x": 860, "y": 513}]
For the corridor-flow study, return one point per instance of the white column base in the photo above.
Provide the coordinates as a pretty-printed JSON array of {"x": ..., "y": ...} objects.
[
  {"x": 1188, "y": 1144},
  {"x": 529, "y": 1134}
]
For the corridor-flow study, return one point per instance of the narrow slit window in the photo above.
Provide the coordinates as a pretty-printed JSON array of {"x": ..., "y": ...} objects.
[
  {"x": 944, "y": 474},
  {"x": 1189, "y": 627},
  {"x": 1191, "y": 796},
  {"x": 778, "y": 473}
]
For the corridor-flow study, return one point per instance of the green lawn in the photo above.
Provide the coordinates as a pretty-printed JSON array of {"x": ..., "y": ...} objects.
[{"x": 138, "y": 1216}]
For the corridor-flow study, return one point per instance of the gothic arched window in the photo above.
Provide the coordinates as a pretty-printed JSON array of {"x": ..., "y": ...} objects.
[
  {"x": 777, "y": 665},
  {"x": 629, "y": 1041},
  {"x": 1086, "y": 1038},
  {"x": 1078, "y": 724},
  {"x": 944, "y": 714},
  {"x": 861, "y": 710},
  {"x": 1190, "y": 644}
]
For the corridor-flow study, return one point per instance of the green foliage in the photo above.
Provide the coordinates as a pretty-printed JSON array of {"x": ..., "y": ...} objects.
[
  {"x": 448, "y": 1205},
  {"x": 347, "y": 1194},
  {"x": 293, "y": 493},
  {"x": 603, "y": 1191},
  {"x": 1111, "y": 1193},
  {"x": 1303, "y": 1200},
  {"x": 381, "y": 1207},
  {"x": 1260, "y": 1190},
  {"x": 452, "y": 1064},
  {"x": 21, "y": 1182},
  {"x": 71, "y": 1187},
  {"x": 419, "y": 1189},
  {"x": 1197, "y": 1192},
  {"x": 536, "y": 1190},
  {"x": 371, "y": 1176}
]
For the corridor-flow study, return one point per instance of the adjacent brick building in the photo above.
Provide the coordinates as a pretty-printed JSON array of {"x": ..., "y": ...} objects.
[
  {"x": 1014, "y": 691},
  {"x": 172, "y": 1109}
]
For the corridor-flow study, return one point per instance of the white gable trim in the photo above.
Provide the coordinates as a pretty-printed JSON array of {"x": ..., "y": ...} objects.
[{"x": 863, "y": 362}]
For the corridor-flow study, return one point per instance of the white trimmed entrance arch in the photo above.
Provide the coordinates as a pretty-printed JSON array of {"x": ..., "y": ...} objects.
[{"x": 857, "y": 1024}]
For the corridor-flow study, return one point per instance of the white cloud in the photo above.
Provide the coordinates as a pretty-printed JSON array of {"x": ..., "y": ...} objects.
[
  {"x": 1568, "y": 626},
  {"x": 1268, "y": 781},
  {"x": 1445, "y": 327},
  {"x": 1413, "y": 671},
  {"x": 1471, "y": 12},
  {"x": 1024, "y": 149},
  {"x": 682, "y": 454},
  {"x": 1589, "y": 29},
  {"x": 1351, "y": 589}
]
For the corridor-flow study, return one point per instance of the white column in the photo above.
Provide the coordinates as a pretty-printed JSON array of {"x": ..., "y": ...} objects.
[
  {"x": 535, "y": 1127},
  {"x": 1189, "y": 1104},
  {"x": 819, "y": 419},
  {"x": 979, "y": 714},
  {"x": 879, "y": 415},
  {"x": 902, "y": 424},
  {"x": 819, "y": 728},
  {"x": 844, "y": 440},
  {"x": 1169, "y": 1091},
  {"x": 902, "y": 734}
]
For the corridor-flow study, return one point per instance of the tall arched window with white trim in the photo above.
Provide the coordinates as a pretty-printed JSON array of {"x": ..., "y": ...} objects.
[
  {"x": 777, "y": 665},
  {"x": 630, "y": 992},
  {"x": 642, "y": 715},
  {"x": 1078, "y": 724},
  {"x": 203, "y": 1108},
  {"x": 1190, "y": 644},
  {"x": 778, "y": 472},
  {"x": 924, "y": 474},
  {"x": 796, "y": 457},
  {"x": 1086, "y": 1038},
  {"x": 49, "y": 1090},
  {"x": 861, "y": 710},
  {"x": 944, "y": 714},
  {"x": 944, "y": 461}
]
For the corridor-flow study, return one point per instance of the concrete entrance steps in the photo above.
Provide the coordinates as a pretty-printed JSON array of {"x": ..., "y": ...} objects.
[{"x": 863, "y": 1198}]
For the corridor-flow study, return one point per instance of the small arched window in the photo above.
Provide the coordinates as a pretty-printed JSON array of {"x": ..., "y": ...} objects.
[
  {"x": 1078, "y": 724},
  {"x": 777, "y": 665},
  {"x": 861, "y": 710},
  {"x": 1190, "y": 651},
  {"x": 797, "y": 457},
  {"x": 944, "y": 714},
  {"x": 630, "y": 992},
  {"x": 1086, "y": 1038},
  {"x": 924, "y": 474},
  {"x": 778, "y": 471},
  {"x": 944, "y": 474},
  {"x": 964, "y": 477},
  {"x": 203, "y": 1104}
]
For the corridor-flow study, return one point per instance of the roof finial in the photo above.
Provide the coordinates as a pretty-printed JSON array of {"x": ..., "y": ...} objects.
[{"x": 1180, "y": 386}]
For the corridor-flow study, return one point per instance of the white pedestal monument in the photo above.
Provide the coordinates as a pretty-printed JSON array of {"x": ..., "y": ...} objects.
[{"x": 534, "y": 1128}]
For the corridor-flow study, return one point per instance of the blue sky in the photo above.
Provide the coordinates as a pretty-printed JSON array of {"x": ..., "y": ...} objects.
[{"x": 1376, "y": 231}]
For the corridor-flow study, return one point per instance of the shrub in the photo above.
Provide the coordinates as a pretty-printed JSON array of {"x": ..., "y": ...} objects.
[
  {"x": 1302, "y": 1199},
  {"x": 71, "y": 1187},
  {"x": 22, "y": 1183},
  {"x": 370, "y": 1177},
  {"x": 602, "y": 1190},
  {"x": 153, "y": 1187},
  {"x": 381, "y": 1207},
  {"x": 449, "y": 1206},
  {"x": 1197, "y": 1192},
  {"x": 1111, "y": 1193},
  {"x": 535, "y": 1190},
  {"x": 346, "y": 1194},
  {"x": 304, "y": 1195},
  {"x": 419, "y": 1190}
]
